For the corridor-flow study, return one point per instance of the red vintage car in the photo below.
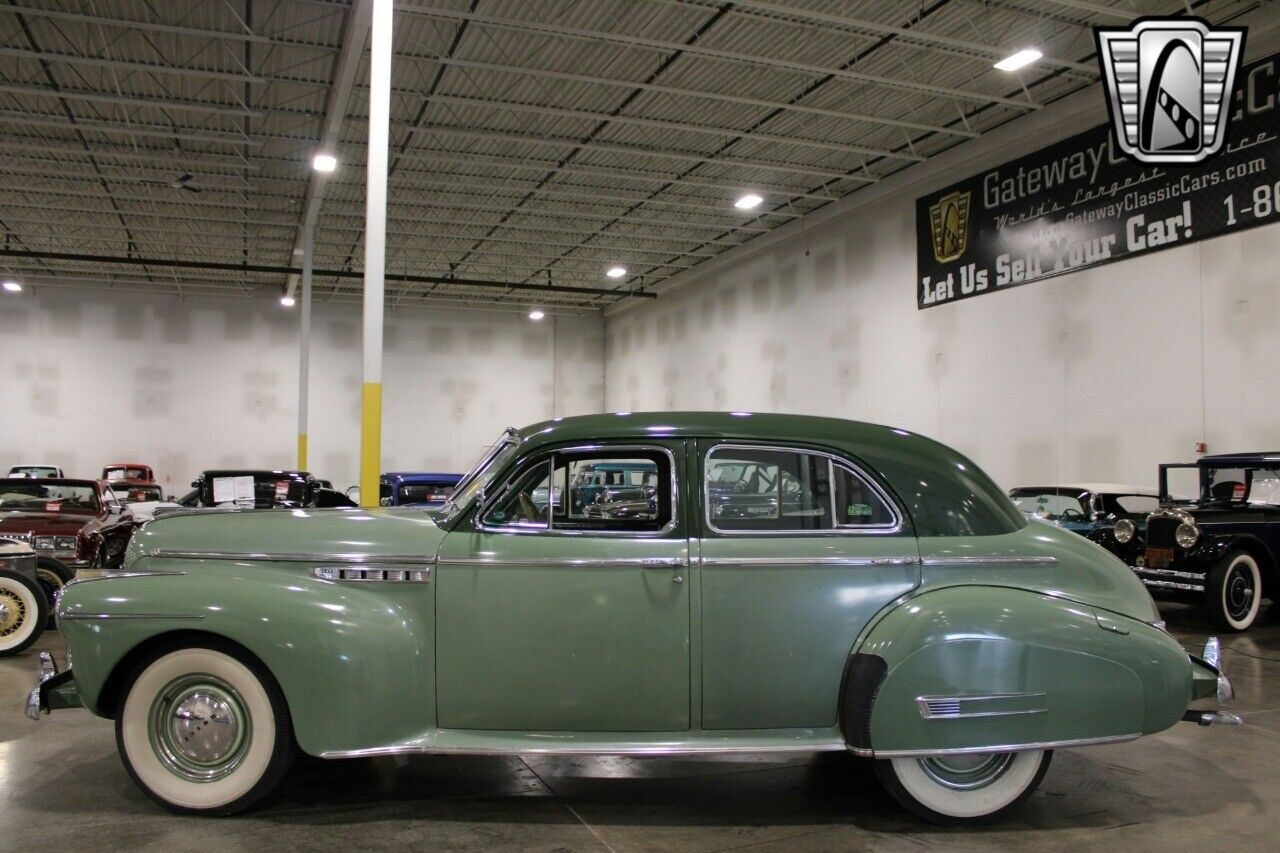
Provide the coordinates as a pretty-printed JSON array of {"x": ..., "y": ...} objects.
[
  {"x": 71, "y": 524},
  {"x": 130, "y": 473}
]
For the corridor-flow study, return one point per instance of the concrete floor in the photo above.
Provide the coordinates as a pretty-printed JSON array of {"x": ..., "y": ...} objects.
[{"x": 62, "y": 786}]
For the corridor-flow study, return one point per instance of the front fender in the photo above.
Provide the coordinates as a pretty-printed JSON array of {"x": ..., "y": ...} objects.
[
  {"x": 977, "y": 667},
  {"x": 354, "y": 659}
]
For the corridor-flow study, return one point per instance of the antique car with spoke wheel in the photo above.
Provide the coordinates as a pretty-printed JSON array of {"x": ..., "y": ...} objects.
[
  {"x": 73, "y": 525},
  {"x": 1221, "y": 550},
  {"x": 23, "y": 606},
  {"x": 790, "y": 584}
]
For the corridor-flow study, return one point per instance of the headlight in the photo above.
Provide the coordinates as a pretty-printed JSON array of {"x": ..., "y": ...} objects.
[
  {"x": 66, "y": 543},
  {"x": 42, "y": 543},
  {"x": 1125, "y": 531},
  {"x": 1186, "y": 535}
]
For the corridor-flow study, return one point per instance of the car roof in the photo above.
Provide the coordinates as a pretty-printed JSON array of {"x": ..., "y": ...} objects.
[
  {"x": 1098, "y": 489},
  {"x": 1263, "y": 458},
  {"x": 421, "y": 477},
  {"x": 126, "y": 465},
  {"x": 254, "y": 472}
]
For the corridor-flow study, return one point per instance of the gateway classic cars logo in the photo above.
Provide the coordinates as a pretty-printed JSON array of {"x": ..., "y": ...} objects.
[
  {"x": 1168, "y": 86},
  {"x": 949, "y": 220}
]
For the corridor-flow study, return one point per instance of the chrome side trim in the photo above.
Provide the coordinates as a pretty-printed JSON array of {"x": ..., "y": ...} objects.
[
  {"x": 94, "y": 617},
  {"x": 291, "y": 557},
  {"x": 952, "y": 707},
  {"x": 810, "y": 746},
  {"x": 810, "y": 561},
  {"x": 621, "y": 562},
  {"x": 983, "y": 750},
  {"x": 108, "y": 576},
  {"x": 832, "y": 459},
  {"x": 1186, "y": 587},
  {"x": 368, "y": 572},
  {"x": 1169, "y": 573},
  {"x": 1031, "y": 562}
]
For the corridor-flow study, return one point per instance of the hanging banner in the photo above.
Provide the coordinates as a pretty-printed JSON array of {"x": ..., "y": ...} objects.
[{"x": 1082, "y": 202}]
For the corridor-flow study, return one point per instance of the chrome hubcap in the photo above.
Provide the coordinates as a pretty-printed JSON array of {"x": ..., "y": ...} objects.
[
  {"x": 199, "y": 728},
  {"x": 966, "y": 772},
  {"x": 1239, "y": 591},
  {"x": 4, "y": 613}
]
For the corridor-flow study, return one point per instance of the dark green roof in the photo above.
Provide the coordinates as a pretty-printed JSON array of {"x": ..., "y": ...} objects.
[{"x": 945, "y": 493}]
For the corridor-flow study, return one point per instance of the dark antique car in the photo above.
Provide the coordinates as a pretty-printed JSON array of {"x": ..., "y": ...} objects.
[
  {"x": 71, "y": 524},
  {"x": 24, "y": 609},
  {"x": 406, "y": 488},
  {"x": 261, "y": 489},
  {"x": 1219, "y": 550},
  {"x": 1085, "y": 507}
]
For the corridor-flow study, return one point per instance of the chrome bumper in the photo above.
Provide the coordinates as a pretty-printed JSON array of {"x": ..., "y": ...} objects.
[
  {"x": 53, "y": 689},
  {"x": 1211, "y": 660}
]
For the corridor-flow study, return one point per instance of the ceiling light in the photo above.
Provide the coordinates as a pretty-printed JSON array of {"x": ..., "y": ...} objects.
[
  {"x": 536, "y": 314},
  {"x": 750, "y": 201},
  {"x": 286, "y": 301},
  {"x": 616, "y": 272},
  {"x": 1017, "y": 60},
  {"x": 324, "y": 162},
  {"x": 13, "y": 286}
]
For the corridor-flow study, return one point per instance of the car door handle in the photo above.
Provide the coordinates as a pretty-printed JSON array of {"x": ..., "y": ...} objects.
[{"x": 676, "y": 564}]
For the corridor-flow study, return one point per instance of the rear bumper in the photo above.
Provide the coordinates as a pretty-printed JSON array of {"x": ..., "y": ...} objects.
[
  {"x": 1209, "y": 681},
  {"x": 53, "y": 691}
]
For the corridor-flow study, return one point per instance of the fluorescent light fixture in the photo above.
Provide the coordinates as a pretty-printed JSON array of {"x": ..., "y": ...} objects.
[
  {"x": 13, "y": 286},
  {"x": 616, "y": 272},
  {"x": 1018, "y": 60},
  {"x": 286, "y": 301},
  {"x": 750, "y": 201},
  {"x": 324, "y": 162},
  {"x": 536, "y": 314}
]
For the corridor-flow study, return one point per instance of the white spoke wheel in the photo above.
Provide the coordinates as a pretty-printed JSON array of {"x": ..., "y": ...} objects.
[
  {"x": 1234, "y": 592},
  {"x": 204, "y": 729},
  {"x": 964, "y": 788},
  {"x": 23, "y": 612}
]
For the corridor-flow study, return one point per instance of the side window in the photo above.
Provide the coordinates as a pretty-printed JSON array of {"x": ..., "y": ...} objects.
[
  {"x": 768, "y": 490},
  {"x": 622, "y": 490}
]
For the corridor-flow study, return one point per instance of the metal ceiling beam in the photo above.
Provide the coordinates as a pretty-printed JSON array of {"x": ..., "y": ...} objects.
[
  {"x": 221, "y": 137},
  {"x": 663, "y": 124},
  {"x": 702, "y": 94},
  {"x": 131, "y": 100},
  {"x": 321, "y": 273},
  {"x": 1095, "y": 9},
  {"x": 126, "y": 65},
  {"x": 16, "y": 168},
  {"x": 355, "y": 37},
  {"x": 963, "y": 46},
  {"x": 143, "y": 26},
  {"x": 714, "y": 53},
  {"x": 137, "y": 152}
]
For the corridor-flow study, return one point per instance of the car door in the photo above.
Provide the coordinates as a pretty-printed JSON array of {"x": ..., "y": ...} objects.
[
  {"x": 799, "y": 549},
  {"x": 553, "y": 615}
]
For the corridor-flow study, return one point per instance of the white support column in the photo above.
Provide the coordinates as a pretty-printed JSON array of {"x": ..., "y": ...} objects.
[
  {"x": 375, "y": 246},
  {"x": 304, "y": 338}
]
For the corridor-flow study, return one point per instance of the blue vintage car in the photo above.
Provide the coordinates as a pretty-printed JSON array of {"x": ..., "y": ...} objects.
[
  {"x": 417, "y": 488},
  {"x": 1085, "y": 507},
  {"x": 1220, "y": 550}
]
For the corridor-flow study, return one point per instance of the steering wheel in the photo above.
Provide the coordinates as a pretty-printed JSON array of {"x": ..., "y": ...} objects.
[
  {"x": 528, "y": 511},
  {"x": 1071, "y": 512}
]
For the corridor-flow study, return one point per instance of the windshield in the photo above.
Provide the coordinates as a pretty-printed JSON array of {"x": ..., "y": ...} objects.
[
  {"x": 138, "y": 494},
  {"x": 48, "y": 497},
  {"x": 491, "y": 462},
  {"x": 1250, "y": 485},
  {"x": 1050, "y": 503},
  {"x": 33, "y": 471},
  {"x": 126, "y": 473},
  {"x": 421, "y": 493}
]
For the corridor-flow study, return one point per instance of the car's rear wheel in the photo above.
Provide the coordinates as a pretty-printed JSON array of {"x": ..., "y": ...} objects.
[
  {"x": 966, "y": 788},
  {"x": 23, "y": 612},
  {"x": 204, "y": 729},
  {"x": 1233, "y": 592}
]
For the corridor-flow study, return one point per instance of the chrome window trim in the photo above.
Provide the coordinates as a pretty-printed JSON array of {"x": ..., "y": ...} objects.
[
  {"x": 952, "y": 707},
  {"x": 832, "y": 459},
  {"x": 936, "y": 562},
  {"x": 293, "y": 557},
  {"x": 983, "y": 750},
  {"x": 521, "y": 468},
  {"x": 809, "y": 561}
]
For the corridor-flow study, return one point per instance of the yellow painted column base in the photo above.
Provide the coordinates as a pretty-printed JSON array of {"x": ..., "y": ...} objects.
[
  {"x": 302, "y": 451},
  {"x": 370, "y": 444}
]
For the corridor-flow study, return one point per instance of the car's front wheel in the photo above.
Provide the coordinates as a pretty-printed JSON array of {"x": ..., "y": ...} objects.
[
  {"x": 23, "y": 612},
  {"x": 964, "y": 789},
  {"x": 204, "y": 729},
  {"x": 1233, "y": 591}
]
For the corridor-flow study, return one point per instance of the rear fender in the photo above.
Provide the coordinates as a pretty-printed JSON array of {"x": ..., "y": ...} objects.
[{"x": 974, "y": 667}]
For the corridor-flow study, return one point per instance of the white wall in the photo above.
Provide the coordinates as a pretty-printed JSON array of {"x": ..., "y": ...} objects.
[
  {"x": 89, "y": 377},
  {"x": 1100, "y": 374}
]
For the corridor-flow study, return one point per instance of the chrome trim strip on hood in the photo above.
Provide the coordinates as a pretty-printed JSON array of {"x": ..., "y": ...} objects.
[
  {"x": 292, "y": 557},
  {"x": 1045, "y": 562}
]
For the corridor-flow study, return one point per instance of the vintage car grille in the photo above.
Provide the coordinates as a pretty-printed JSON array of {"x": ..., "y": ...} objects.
[{"x": 1160, "y": 529}]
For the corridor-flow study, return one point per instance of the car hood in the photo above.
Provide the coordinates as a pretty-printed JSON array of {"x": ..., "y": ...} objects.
[
  {"x": 42, "y": 523},
  {"x": 264, "y": 533}
]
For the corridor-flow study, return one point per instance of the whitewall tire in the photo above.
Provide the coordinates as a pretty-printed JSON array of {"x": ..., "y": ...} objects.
[
  {"x": 23, "y": 612},
  {"x": 961, "y": 789},
  {"x": 1234, "y": 592},
  {"x": 204, "y": 729}
]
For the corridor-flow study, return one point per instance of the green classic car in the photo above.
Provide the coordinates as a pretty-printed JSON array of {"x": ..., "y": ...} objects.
[{"x": 888, "y": 600}]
